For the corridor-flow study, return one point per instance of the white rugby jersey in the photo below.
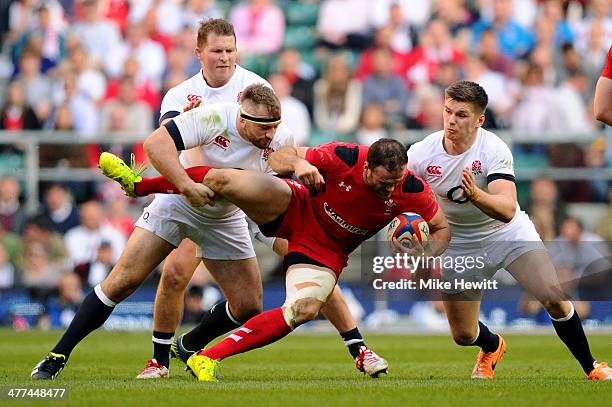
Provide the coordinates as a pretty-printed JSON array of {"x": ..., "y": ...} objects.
[
  {"x": 213, "y": 129},
  {"x": 196, "y": 88},
  {"x": 488, "y": 159}
]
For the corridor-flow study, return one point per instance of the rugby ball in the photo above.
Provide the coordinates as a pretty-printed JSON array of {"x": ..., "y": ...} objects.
[{"x": 405, "y": 225}]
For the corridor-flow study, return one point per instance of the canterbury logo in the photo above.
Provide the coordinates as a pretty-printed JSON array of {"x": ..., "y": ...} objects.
[
  {"x": 221, "y": 142},
  {"x": 435, "y": 170},
  {"x": 193, "y": 98}
]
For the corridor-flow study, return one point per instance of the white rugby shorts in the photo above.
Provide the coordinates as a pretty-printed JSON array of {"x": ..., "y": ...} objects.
[
  {"x": 172, "y": 219},
  {"x": 495, "y": 252}
]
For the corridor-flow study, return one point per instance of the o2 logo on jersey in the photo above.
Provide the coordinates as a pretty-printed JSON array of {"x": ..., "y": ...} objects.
[
  {"x": 476, "y": 167},
  {"x": 267, "y": 152},
  {"x": 456, "y": 195},
  {"x": 434, "y": 170},
  {"x": 193, "y": 98},
  {"x": 222, "y": 142}
]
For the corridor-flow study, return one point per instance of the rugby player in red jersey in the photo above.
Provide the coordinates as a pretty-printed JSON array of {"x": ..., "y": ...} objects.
[{"x": 346, "y": 194}]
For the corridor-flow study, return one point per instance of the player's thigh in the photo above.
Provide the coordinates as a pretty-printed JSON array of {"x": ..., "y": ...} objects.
[
  {"x": 142, "y": 253},
  {"x": 180, "y": 266},
  {"x": 262, "y": 197},
  {"x": 536, "y": 273},
  {"x": 462, "y": 311},
  {"x": 240, "y": 282}
]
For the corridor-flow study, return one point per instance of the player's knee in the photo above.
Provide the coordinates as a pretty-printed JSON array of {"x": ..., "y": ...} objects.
[
  {"x": 218, "y": 180},
  {"x": 175, "y": 277},
  {"x": 302, "y": 311},
  {"x": 464, "y": 338}
]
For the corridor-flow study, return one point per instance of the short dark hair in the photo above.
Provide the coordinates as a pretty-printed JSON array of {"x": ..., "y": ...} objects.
[
  {"x": 469, "y": 92},
  {"x": 218, "y": 26},
  {"x": 260, "y": 94},
  {"x": 389, "y": 153}
]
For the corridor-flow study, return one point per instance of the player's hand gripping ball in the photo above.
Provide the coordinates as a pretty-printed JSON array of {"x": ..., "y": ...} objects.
[{"x": 406, "y": 225}]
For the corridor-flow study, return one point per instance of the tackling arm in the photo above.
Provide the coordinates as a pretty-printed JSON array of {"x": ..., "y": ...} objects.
[
  {"x": 292, "y": 159},
  {"x": 163, "y": 154}
]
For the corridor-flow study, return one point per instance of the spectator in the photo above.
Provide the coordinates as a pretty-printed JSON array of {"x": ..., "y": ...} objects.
[
  {"x": 515, "y": 41},
  {"x": 569, "y": 112},
  {"x": 576, "y": 255},
  {"x": 126, "y": 113},
  {"x": 7, "y": 270},
  {"x": 200, "y": 10},
  {"x": 295, "y": 113},
  {"x": 545, "y": 208},
  {"x": 99, "y": 36},
  {"x": 119, "y": 217},
  {"x": 48, "y": 35},
  {"x": 39, "y": 230},
  {"x": 146, "y": 91},
  {"x": 38, "y": 272},
  {"x": 488, "y": 49},
  {"x": 38, "y": 88},
  {"x": 595, "y": 157},
  {"x": 498, "y": 88},
  {"x": 598, "y": 15},
  {"x": 12, "y": 244},
  {"x": 300, "y": 76},
  {"x": 532, "y": 112},
  {"x": 90, "y": 81},
  {"x": 61, "y": 309},
  {"x": 81, "y": 105},
  {"x": 403, "y": 35},
  {"x": 341, "y": 29},
  {"x": 372, "y": 125},
  {"x": 259, "y": 26},
  {"x": 386, "y": 89},
  {"x": 455, "y": 14},
  {"x": 60, "y": 209},
  {"x": 16, "y": 114},
  {"x": 337, "y": 98},
  {"x": 425, "y": 110},
  {"x": 552, "y": 10},
  {"x": 435, "y": 49},
  {"x": 103, "y": 264},
  {"x": 382, "y": 40},
  {"x": 417, "y": 12},
  {"x": 12, "y": 215},
  {"x": 84, "y": 240},
  {"x": 150, "y": 55}
]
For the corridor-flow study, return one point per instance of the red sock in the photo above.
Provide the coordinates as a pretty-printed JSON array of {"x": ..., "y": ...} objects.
[
  {"x": 160, "y": 185},
  {"x": 261, "y": 330}
]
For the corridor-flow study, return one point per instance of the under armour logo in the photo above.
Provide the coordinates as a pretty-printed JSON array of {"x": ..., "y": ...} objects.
[{"x": 345, "y": 186}]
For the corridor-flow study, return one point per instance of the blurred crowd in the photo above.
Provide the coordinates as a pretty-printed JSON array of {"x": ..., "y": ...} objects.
[{"x": 353, "y": 70}]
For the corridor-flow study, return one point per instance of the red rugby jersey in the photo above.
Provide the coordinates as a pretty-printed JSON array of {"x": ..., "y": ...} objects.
[
  {"x": 607, "y": 70},
  {"x": 347, "y": 208}
]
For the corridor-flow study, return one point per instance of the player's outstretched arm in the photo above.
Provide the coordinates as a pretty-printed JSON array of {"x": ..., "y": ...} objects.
[
  {"x": 289, "y": 160},
  {"x": 440, "y": 233},
  {"x": 164, "y": 156},
  {"x": 603, "y": 100},
  {"x": 499, "y": 203}
]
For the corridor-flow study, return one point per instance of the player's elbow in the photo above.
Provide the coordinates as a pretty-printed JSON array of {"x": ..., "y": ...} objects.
[{"x": 508, "y": 214}]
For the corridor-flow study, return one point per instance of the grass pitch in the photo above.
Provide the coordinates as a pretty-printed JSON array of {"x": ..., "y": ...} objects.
[{"x": 305, "y": 370}]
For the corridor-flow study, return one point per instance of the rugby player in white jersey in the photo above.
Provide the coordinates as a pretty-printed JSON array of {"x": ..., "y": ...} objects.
[
  {"x": 471, "y": 172},
  {"x": 222, "y": 80}
]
